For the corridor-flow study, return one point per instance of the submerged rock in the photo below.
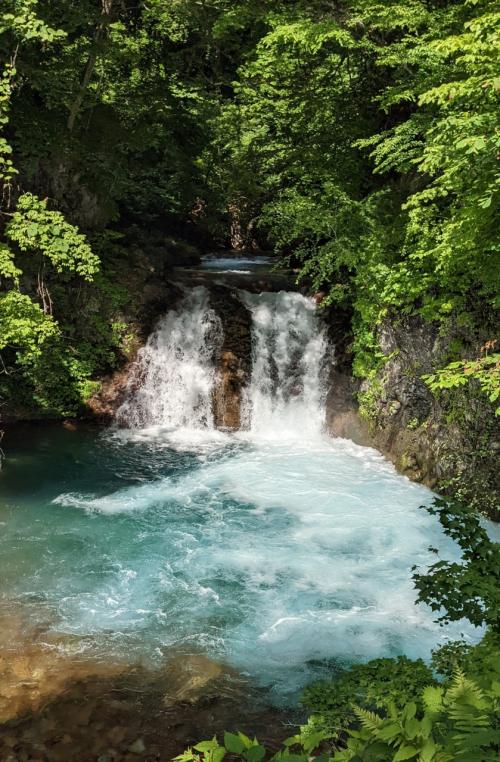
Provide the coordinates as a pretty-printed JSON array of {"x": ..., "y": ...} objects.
[
  {"x": 58, "y": 707},
  {"x": 138, "y": 747},
  {"x": 31, "y": 674},
  {"x": 191, "y": 677}
]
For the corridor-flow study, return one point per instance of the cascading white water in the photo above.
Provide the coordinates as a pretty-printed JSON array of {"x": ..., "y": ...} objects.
[
  {"x": 176, "y": 372},
  {"x": 287, "y": 391},
  {"x": 279, "y": 553}
]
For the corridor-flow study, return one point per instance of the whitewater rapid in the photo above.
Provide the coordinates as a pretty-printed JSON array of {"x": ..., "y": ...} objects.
[
  {"x": 285, "y": 399},
  {"x": 277, "y": 559},
  {"x": 174, "y": 378},
  {"x": 276, "y": 550}
]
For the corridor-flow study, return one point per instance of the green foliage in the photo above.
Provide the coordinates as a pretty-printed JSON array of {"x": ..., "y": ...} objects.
[
  {"x": 24, "y": 326},
  {"x": 469, "y": 588},
  {"x": 379, "y": 683},
  {"x": 240, "y": 746},
  {"x": 458, "y": 722},
  {"x": 485, "y": 371},
  {"x": 104, "y": 110},
  {"x": 363, "y": 144},
  {"x": 35, "y": 229},
  {"x": 19, "y": 19},
  {"x": 480, "y": 660},
  {"x": 369, "y": 396},
  {"x": 38, "y": 369},
  {"x": 8, "y": 268},
  {"x": 360, "y": 141},
  {"x": 236, "y": 744},
  {"x": 7, "y": 169},
  {"x": 22, "y": 19}
]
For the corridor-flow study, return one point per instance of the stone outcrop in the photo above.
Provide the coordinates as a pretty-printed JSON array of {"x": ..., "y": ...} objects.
[
  {"x": 450, "y": 444},
  {"x": 342, "y": 408},
  {"x": 231, "y": 378},
  {"x": 342, "y": 412},
  {"x": 234, "y": 358},
  {"x": 104, "y": 404}
]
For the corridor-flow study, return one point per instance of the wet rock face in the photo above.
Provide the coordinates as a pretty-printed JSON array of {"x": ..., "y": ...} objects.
[
  {"x": 413, "y": 347},
  {"x": 445, "y": 441},
  {"x": 342, "y": 416},
  {"x": 155, "y": 300},
  {"x": 114, "y": 388},
  {"x": 448, "y": 443},
  {"x": 408, "y": 423},
  {"x": 234, "y": 358},
  {"x": 228, "y": 392}
]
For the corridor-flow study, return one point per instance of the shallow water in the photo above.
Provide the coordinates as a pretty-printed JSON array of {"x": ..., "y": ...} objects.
[
  {"x": 233, "y": 264},
  {"x": 281, "y": 559}
]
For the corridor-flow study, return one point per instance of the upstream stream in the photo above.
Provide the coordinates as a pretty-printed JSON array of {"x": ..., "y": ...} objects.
[{"x": 275, "y": 551}]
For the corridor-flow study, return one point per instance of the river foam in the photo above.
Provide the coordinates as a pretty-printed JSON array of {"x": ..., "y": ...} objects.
[
  {"x": 277, "y": 550},
  {"x": 272, "y": 558}
]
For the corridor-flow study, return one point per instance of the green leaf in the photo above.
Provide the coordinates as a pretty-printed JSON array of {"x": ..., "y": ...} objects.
[
  {"x": 412, "y": 728},
  {"x": 217, "y": 755},
  {"x": 233, "y": 743},
  {"x": 205, "y": 746},
  {"x": 246, "y": 740},
  {"x": 428, "y": 750},
  {"x": 405, "y": 752},
  {"x": 389, "y": 731},
  {"x": 409, "y": 711},
  {"x": 254, "y": 754}
]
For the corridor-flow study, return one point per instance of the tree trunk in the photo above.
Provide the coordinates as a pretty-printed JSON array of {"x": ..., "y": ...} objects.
[{"x": 107, "y": 8}]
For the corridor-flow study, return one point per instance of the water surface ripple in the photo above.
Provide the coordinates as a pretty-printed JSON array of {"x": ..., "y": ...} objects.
[{"x": 280, "y": 559}]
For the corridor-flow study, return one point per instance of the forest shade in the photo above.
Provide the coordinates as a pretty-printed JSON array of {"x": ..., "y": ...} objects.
[{"x": 358, "y": 139}]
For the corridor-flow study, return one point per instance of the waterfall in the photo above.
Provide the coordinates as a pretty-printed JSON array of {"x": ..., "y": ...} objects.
[
  {"x": 287, "y": 391},
  {"x": 275, "y": 549},
  {"x": 175, "y": 376}
]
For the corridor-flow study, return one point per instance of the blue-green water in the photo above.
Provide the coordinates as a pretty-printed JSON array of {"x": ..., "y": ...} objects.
[{"x": 279, "y": 559}]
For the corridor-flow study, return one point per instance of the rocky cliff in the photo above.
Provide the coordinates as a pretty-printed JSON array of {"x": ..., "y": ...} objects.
[{"x": 450, "y": 443}]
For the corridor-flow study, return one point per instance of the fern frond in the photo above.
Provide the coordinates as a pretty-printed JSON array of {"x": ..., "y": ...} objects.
[
  {"x": 369, "y": 720},
  {"x": 433, "y": 699},
  {"x": 465, "y": 690}
]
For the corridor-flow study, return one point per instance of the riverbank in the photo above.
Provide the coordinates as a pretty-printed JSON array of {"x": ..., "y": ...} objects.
[{"x": 57, "y": 705}]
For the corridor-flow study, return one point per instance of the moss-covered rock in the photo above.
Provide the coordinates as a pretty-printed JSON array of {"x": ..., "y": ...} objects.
[{"x": 450, "y": 442}]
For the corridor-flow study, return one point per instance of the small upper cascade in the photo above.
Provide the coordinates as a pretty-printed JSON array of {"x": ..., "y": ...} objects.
[
  {"x": 181, "y": 380},
  {"x": 287, "y": 391},
  {"x": 175, "y": 378}
]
